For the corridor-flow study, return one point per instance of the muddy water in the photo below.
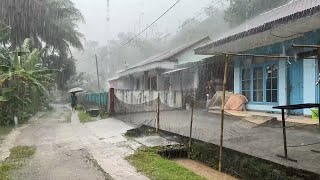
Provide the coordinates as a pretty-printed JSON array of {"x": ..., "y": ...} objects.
[{"x": 203, "y": 170}]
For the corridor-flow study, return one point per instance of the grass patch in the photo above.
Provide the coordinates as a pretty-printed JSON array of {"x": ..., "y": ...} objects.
[
  {"x": 104, "y": 114},
  {"x": 20, "y": 152},
  {"x": 84, "y": 117},
  {"x": 15, "y": 160},
  {"x": 155, "y": 167}
]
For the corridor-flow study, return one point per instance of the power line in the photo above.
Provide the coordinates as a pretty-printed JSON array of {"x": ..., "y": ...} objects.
[
  {"x": 200, "y": 13},
  {"x": 136, "y": 36}
]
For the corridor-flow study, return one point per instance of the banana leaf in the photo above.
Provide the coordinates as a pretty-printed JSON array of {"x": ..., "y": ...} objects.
[
  {"x": 3, "y": 99},
  {"x": 32, "y": 60},
  {"x": 2, "y": 56},
  {"x": 4, "y": 68}
]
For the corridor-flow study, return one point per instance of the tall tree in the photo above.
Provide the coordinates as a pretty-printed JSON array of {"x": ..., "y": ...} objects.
[
  {"x": 51, "y": 23},
  {"x": 241, "y": 10}
]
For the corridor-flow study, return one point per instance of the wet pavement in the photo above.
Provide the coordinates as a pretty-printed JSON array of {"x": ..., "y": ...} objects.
[
  {"x": 95, "y": 150},
  {"x": 243, "y": 136}
]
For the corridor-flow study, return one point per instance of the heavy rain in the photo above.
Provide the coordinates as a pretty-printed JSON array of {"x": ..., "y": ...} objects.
[{"x": 161, "y": 89}]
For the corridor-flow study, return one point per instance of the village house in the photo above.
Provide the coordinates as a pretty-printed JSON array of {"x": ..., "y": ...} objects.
[
  {"x": 160, "y": 72},
  {"x": 268, "y": 82}
]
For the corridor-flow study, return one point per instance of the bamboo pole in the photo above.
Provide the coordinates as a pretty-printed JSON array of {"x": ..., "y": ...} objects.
[
  {"x": 191, "y": 124},
  {"x": 222, "y": 108},
  {"x": 306, "y": 46}
]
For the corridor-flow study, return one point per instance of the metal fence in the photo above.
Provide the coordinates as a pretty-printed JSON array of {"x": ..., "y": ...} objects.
[{"x": 94, "y": 99}]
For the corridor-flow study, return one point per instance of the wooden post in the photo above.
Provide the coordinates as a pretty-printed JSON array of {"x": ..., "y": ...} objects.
[
  {"x": 158, "y": 114},
  {"x": 111, "y": 101},
  {"x": 284, "y": 134},
  {"x": 222, "y": 108},
  {"x": 191, "y": 123}
]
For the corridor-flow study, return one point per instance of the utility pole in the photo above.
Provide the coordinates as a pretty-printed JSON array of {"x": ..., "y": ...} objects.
[
  {"x": 98, "y": 80},
  {"x": 97, "y": 72}
]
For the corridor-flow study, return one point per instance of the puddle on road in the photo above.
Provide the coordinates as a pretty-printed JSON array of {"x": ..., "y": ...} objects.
[
  {"x": 153, "y": 141},
  {"x": 203, "y": 170}
]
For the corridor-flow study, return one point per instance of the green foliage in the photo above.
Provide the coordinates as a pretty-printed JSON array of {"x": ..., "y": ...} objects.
[
  {"x": 80, "y": 108},
  {"x": 35, "y": 23},
  {"x": 84, "y": 117},
  {"x": 23, "y": 86},
  {"x": 104, "y": 114},
  {"x": 241, "y": 165},
  {"x": 15, "y": 161},
  {"x": 155, "y": 167},
  {"x": 20, "y": 152},
  {"x": 242, "y": 10}
]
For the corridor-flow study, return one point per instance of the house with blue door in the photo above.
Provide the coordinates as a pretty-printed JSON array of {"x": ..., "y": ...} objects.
[{"x": 266, "y": 81}]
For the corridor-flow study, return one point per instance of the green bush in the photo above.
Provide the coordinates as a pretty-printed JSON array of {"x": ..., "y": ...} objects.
[{"x": 80, "y": 107}]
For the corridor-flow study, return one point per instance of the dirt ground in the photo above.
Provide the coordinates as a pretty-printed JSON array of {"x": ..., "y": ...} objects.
[
  {"x": 73, "y": 150},
  {"x": 261, "y": 141}
]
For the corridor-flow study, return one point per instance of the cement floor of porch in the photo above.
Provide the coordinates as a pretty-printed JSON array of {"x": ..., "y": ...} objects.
[{"x": 258, "y": 118}]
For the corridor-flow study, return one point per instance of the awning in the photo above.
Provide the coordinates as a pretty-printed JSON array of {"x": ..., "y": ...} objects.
[{"x": 173, "y": 71}]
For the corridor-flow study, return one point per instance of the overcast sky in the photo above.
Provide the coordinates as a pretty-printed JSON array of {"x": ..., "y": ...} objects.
[{"x": 125, "y": 15}]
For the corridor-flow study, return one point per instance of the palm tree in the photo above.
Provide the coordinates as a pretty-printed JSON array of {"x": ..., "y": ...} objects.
[
  {"x": 52, "y": 23},
  {"x": 49, "y": 21}
]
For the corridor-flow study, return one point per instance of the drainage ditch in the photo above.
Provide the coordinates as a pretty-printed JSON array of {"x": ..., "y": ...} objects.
[{"x": 235, "y": 163}]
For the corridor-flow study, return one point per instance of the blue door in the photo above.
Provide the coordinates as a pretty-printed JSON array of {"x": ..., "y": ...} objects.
[{"x": 295, "y": 84}]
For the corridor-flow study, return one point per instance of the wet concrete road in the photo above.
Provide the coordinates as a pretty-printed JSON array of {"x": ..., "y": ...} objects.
[
  {"x": 243, "y": 136},
  {"x": 73, "y": 150}
]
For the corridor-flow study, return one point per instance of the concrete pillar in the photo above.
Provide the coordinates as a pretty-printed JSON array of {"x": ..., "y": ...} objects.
[
  {"x": 237, "y": 80},
  {"x": 309, "y": 83},
  {"x": 283, "y": 81},
  {"x": 145, "y": 80},
  {"x": 131, "y": 80},
  {"x": 159, "y": 80}
]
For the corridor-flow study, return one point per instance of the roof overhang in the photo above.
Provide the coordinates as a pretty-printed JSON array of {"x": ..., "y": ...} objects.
[
  {"x": 113, "y": 79},
  {"x": 156, "y": 65},
  {"x": 277, "y": 34},
  {"x": 174, "y": 71}
]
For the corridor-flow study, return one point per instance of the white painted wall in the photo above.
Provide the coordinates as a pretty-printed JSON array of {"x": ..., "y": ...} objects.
[{"x": 169, "y": 98}]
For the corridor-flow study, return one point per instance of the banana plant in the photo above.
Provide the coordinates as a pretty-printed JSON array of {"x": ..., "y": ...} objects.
[{"x": 21, "y": 75}]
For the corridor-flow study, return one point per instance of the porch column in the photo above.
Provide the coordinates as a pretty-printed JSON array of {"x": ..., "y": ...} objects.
[
  {"x": 145, "y": 80},
  {"x": 309, "y": 87},
  {"x": 131, "y": 80},
  {"x": 159, "y": 79},
  {"x": 283, "y": 80},
  {"x": 237, "y": 80}
]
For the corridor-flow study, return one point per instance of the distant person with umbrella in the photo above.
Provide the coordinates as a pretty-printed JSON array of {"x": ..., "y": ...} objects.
[{"x": 74, "y": 98}]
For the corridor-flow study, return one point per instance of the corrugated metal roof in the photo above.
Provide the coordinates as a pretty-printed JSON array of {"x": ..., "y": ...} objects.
[
  {"x": 289, "y": 12},
  {"x": 165, "y": 56}
]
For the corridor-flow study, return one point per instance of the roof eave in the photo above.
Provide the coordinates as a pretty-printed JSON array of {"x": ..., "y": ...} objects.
[{"x": 205, "y": 50}]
